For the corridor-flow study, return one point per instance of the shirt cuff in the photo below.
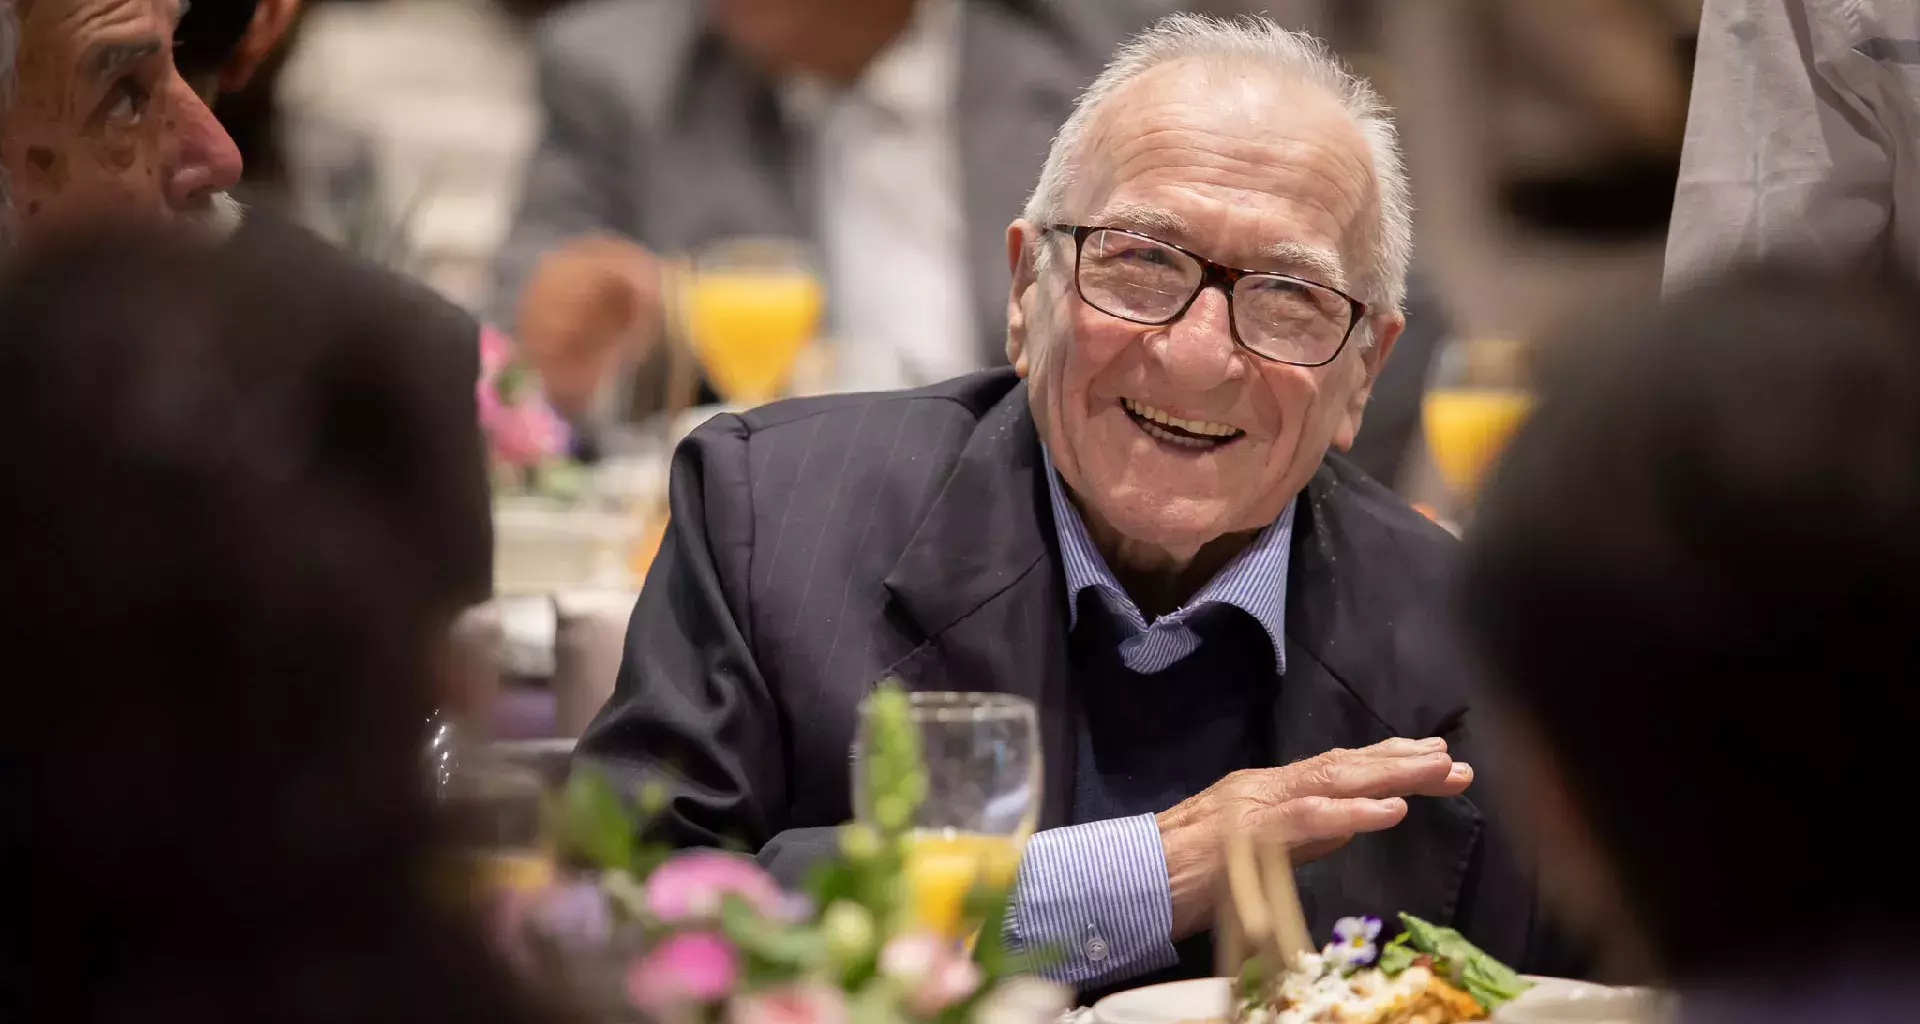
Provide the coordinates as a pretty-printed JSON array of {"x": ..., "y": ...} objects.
[{"x": 1092, "y": 902}]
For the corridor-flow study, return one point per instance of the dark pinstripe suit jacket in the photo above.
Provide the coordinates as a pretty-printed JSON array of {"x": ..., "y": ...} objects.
[{"x": 818, "y": 545}]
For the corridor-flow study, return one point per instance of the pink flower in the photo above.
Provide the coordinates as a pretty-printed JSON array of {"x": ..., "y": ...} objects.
[
  {"x": 936, "y": 972},
  {"x": 691, "y": 967},
  {"x": 690, "y": 886},
  {"x": 496, "y": 350},
  {"x": 803, "y": 1003},
  {"x": 521, "y": 429}
]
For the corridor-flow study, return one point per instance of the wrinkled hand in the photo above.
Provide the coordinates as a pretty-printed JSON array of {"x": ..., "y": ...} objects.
[
  {"x": 590, "y": 301},
  {"x": 1317, "y": 804}
]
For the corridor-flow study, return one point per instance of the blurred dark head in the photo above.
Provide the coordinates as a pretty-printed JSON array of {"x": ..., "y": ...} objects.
[
  {"x": 222, "y": 44},
  {"x": 220, "y": 645},
  {"x": 1696, "y": 579},
  {"x": 832, "y": 39},
  {"x": 210, "y": 32}
]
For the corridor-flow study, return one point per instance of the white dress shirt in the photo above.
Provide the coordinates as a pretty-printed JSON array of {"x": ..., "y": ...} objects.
[
  {"x": 892, "y": 230},
  {"x": 1803, "y": 138}
]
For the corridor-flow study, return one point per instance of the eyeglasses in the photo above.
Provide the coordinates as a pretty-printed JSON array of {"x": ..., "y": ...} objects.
[{"x": 1143, "y": 280}]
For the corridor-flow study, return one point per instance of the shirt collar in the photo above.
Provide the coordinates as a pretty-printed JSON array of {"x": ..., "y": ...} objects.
[{"x": 1255, "y": 581}]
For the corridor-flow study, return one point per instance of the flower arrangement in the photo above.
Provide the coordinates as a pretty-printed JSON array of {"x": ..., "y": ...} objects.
[
  {"x": 707, "y": 936},
  {"x": 527, "y": 441}
]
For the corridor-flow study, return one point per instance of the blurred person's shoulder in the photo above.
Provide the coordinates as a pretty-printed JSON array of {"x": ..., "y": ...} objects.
[
  {"x": 268, "y": 237},
  {"x": 640, "y": 49}
]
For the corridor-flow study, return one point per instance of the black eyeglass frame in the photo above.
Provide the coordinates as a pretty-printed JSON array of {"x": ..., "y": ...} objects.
[{"x": 1211, "y": 275}]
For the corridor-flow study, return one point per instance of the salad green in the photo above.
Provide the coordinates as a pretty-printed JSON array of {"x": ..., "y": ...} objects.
[{"x": 1452, "y": 957}]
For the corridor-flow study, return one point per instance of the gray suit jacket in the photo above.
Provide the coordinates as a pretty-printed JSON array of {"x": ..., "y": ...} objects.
[{"x": 655, "y": 131}]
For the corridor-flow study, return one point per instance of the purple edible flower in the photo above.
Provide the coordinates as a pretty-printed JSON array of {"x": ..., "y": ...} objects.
[{"x": 1353, "y": 943}]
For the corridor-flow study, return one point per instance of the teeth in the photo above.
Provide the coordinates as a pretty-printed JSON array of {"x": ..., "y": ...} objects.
[
  {"x": 1179, "y": 439},
  {"x": 1207, "y": 427}
]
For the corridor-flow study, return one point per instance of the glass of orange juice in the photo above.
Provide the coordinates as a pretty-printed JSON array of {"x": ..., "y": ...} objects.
[
  {"x": 981, "y": 755},
  {"x": 1476, "y": 400},
  {"x": 749, "y": 306}
]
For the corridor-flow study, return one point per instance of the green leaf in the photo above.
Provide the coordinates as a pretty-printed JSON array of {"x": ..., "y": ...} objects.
[
  {"x": 895, "y": 781},
  {"x": 594, "y": 823},
  {"x": 988, "y": 905},
  {"x": 798, "y": 949},
  {"x": 1396, "y": 956},
  {"x": 876, "y": 1002},
  {"x": 1253, "y": 981},
  {"x": 512, "y": 379},
  {"x": 1489, "y": 981}
]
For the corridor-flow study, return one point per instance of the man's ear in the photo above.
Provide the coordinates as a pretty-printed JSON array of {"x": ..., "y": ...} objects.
[
  {"x": 271, "y": 20},
  {"x": 1023, "y": 243},
  {"x": 1386, "y": 328}
]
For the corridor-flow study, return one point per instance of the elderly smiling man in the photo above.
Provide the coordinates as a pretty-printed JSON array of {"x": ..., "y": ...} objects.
[{"x": 1138, "y": 526}]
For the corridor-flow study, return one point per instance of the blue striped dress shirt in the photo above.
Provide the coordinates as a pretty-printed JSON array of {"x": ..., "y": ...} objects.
[{"x": 1095, "y": 896}]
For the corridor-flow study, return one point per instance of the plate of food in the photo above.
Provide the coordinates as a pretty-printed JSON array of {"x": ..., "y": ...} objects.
[{"x": 1425, "y": 975}]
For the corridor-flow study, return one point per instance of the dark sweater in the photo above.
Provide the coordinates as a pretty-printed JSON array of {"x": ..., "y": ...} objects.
[{"x": 1147, "y": 742}]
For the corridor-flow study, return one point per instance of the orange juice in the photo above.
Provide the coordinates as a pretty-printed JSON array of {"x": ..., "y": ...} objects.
[
  {"x": 644, "y": 550},
  {"x": 1467, "y": 428},
  {"x": 748, "y": 326},
  {"x": 943, "y": 867},
  {"x": 472, "y": 877}
]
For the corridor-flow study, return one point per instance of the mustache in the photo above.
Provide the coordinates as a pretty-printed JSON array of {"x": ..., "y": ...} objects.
[{"x": 222, "y": 217}]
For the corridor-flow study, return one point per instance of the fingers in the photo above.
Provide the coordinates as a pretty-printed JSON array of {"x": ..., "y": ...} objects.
[
  {"x": 1314, "y": 826},
  {"x": 1351, "y": 774},
  {"x": 1459, "y": 777},
  {"x": 1400, "y": 746}
]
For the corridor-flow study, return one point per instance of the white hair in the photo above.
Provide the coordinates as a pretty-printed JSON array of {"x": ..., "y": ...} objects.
[{"x": 1257, "y": 44}]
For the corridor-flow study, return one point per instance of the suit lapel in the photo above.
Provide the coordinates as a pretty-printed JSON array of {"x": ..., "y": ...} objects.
[
  {"x": 1351, "y": 681},
  {"x": 1018, "y": 80},
  {"x": 980, "y": 584}
]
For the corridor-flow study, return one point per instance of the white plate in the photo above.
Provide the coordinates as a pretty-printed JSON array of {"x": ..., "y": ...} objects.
[
  {"x": 1200, "y": 999},
  {"x": 1553, "y": 1000}
]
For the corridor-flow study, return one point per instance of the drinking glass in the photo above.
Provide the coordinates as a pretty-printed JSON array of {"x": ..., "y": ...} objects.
[
  {"x": 981, "y": 757},
  {"x": 1476, "y": 398},
  {"x": 749, "y": 306},
  {"x": 493, "y": 817}
]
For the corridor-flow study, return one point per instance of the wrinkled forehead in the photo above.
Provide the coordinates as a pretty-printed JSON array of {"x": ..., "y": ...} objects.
[
  {"x": 93, "y": 36},
  {"x": 1241, "y": 156}
]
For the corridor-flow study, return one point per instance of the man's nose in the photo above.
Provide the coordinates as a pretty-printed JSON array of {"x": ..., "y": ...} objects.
[
  {"x": 208, "y": 160},
  {"x": 1197, "y": 350}
]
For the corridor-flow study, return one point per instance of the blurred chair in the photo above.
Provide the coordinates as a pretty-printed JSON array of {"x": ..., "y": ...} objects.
[
  {"x": 477, "y": 667},
  {"x": 589, "y": 640}
]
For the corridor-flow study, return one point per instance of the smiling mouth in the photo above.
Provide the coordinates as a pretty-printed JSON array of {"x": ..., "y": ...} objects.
[{"x": 1198, "y": 435}]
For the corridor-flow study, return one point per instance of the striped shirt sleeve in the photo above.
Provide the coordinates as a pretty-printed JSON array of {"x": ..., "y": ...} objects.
[{"x": 1093, "y": 902}]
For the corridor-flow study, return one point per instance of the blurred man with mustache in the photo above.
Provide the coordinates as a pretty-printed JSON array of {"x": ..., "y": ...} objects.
[
  {"x": 98, "y": 123},
  {"x": 102, "y": 119}
]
